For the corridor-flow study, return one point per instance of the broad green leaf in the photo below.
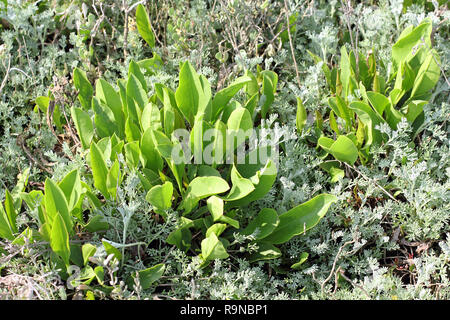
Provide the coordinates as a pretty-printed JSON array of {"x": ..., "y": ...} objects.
[
  {"x": 113, "y": 179},
  {"x": 239, "y": 127},
  {"x": 301, "y": 117},
  {"x": 203, "y": 187},
  {"x": 303, "y": 257},
  {"x": 151, "y": 117},
  {"x": 135, "y": 69},
  {"x": 300, "y": 219},
  {"x": 110, "y": 249},
  {"x": 151, "y": 157},
  {"x": 325, "y": 143},
  {"x": 132, "y": 152},
  {"x": 217, "y": 229},
  {"x": 5, "y": 228},
  {"x": 265, "y": 222},
  {"x": 215, "y": 207},
  {"x": 96, "y": 223},
  {"x": 106, "y": 93},
  {"x": 136, "y": 92},
  {"x": 268, "y": 96},
  {"x": 222, "y": 97},
  {"x": 10, "y": 211},
  {"x": 343, "y": 149},
  {"x": 181, "y": 238},
  {"x": 333, "y": 168},
  {"x": 148, "y": 276},
  {"x": 144, "y": 26},
  {"x": 212, "y": 249},
  {"x": 333, "y": 123},
  {"x": 190, "y": 96},
  {"x": 370, "y": 119},
  {"x": 105, "y": 123},
  {"x": 71, "y": 187},
  {"x": 56, "y": 205},
  {"x": 241, "y": 186},
  {"x": 84, "y": 126},
  {"x": 266, "y": 251},
  {"x": 427, "y": 77},
  {"x": 378, "y": 101},
  {"x": 132, "y": 132},
  {"x": 59, "y": 239},
  {"x": 160, "y": 196},
  {"x": 403, "y": 49},
  {"x": 84, "y": 87},
  {"x": 99, "y": 170},
  {"x": 162, "y": 144},
  {"x": 414, "y": 109},
  {"x": 345, "y": 73},
  {"x": 88, "y": 250},
  {"x": 262, "y": 177}
]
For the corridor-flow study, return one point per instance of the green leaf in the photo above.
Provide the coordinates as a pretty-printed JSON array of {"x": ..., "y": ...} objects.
[
  {"x": 265, "y": 222},
  {"x": 97, "y": 223},
  {"x": 135, "y": 69},
  {"x": 5, "y": 228},
  {"x": 215, "y": 207},
  {"x": 151, "y": 117},
  {"x": 56, "y": 205},
  {"x": 268, "y": 96},
  {"x": 402, "y": 50},
  {"x": 333, "y": 123},
  {"x": 71, "y": 187},
  {"x": 333, "y": 168},
  {"x": 301, "y": 116},
  {"x": 111, "y": 98},
  {"x": 378, "y": 101},
  {"x": 427, "y": 76},
  {"x": 203, "y": 187},
  {"x": 110, "y": 249},
  {"x": 84, "y": 126},
  {"x": 88, "y": 251},
  {"x": 132, "y": 132},
  {"x": 266, "y": 251},
  {"x": 300, "y": 219},
  {"x": 99, "y": 170},
  {"x": 151, "y": 156},
  {"x": 241, "y": 186},
  {"x": 222, "y": 97},
  {"x": 345, "y": 72},
  {"x": 136, "y": 92},
  {"x": 160, "y": 196},
  {"x": 239, "y": 126},
  {"x": 148, "y": 276},
  {"x": 190, "y": 97},
  {"x": 10, "y": 211},
  {"x": 84, "y": 87},
  {"x": 162, "y": 144},
  {"x": 217, "y": 229},
  {"x": 113, "y": 179},
  {"x": 59, "y": 239},
  {"x": 343, "y": 149},
  {"x": 370, "y": 119},
  {"x": 262, "y": 177},
  {"x": 144, "y": 26},
  {"x": 303, "y": 257},
  {"x": 212, "y": 249},
  {"x": 132, "y": 152}
]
